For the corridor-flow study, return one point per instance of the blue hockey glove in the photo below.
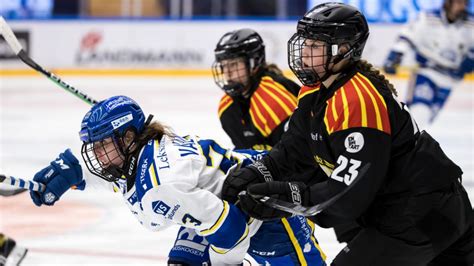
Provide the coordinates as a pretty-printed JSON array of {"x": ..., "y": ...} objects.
[
  {"x": 393, "y": 61},
  {"x": 59, "y": 176}
]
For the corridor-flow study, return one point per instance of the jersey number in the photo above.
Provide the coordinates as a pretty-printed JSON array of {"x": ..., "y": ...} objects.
[
  {"x": 352, "y": 172},
  {"x": 187, "y": 218}
]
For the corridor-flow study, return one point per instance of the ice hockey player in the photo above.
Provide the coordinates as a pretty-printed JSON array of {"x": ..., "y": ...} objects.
[
  {"x": 167, "y": 179},
  {"x": 399, "y": 185},
  {"x": 10, "y": 252},
  {"x": 443, "y": 44},
  {"x": 258, "y": 99}
]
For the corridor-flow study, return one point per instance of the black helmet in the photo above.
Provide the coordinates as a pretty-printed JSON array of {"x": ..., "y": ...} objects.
[
  {"x": 246, "y": 44},
  {"x": 334, "y": 24}
]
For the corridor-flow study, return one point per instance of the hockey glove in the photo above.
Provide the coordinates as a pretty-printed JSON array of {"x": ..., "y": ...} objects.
[
  {"x": 295, "y": 192},
  {"x": 393, "y": 61},
  {"x": 59, "y": 176},
  {"x": 239, "y": 180}
]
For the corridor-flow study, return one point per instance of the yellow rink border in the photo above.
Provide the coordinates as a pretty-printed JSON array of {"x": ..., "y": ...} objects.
[{"x": 403, "y": 74}]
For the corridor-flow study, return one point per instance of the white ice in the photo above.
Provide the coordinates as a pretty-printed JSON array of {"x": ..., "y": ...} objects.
[{"x": 39, "y": 120}]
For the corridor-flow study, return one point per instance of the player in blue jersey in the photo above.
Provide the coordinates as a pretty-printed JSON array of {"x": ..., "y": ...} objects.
[
  {"x": 443, "y": 44},
  {"x": 167, "y": 179}
]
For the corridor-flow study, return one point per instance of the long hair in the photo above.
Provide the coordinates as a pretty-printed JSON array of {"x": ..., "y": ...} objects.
[
  {"x": 368, "y": 67},
  {"x": 272, "y": 68},
  {"x": 155, "y": 130}
]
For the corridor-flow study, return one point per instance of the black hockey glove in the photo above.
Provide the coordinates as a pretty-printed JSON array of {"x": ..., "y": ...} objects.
[
  {"x": 295, "y": 192},
  {"x": 239, "y": 180}
]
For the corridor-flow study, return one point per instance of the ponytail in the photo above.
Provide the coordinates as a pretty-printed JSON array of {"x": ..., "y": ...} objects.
[{"x": 368, "y": 67}]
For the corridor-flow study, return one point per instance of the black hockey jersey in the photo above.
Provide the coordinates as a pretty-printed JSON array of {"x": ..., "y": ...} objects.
[
  {"x": 355, "y": 122},
  {"x": 259, "y": 122}
]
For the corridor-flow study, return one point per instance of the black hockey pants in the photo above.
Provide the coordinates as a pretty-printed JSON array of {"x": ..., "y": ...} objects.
[{"x": 434, "y": 228}]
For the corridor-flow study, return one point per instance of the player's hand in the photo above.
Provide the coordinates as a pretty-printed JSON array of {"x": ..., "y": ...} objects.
[
  {"x": 58, "y": 177},
  {"x": 295, "y": 192},
  {"x": 393, "y": 61},
  {"x": 239, "y": 180}
]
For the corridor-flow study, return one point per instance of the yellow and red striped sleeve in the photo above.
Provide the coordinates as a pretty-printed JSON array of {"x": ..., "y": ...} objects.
[
  {"x": 270, "y": 105},
  {"x": 357, "y": 104},
  {"x": 225, "y": 102},
  {"x": 306, "y": 90}
]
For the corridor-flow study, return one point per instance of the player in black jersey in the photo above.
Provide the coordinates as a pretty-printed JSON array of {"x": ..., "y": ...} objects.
[
  {"x": 258, "y": 99},
  {"x": 401, "y": 188}
]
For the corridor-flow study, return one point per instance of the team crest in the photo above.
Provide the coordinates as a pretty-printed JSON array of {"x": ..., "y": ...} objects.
[{"x": 160, "y": 207}]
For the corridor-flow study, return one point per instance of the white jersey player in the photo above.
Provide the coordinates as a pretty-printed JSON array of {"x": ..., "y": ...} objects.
[
  {"x": 166, "y": 180},
  {"x": 443, "y": 44}
]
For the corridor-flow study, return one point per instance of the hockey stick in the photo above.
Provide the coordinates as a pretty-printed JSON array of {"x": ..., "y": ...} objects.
[
  {"x": 12, "y": 41},
  {"x": 313, "y": 210},
  {"x": 21, "y": 183},
  {"x": 11, "y": 192}
]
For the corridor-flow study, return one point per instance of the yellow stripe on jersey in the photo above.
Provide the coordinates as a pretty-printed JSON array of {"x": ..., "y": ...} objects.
[
  {"x": 345, "y": 123},
  {"x": 373, "y": 88},
  {"x": 305, "y": 90},
  {"x": 219, "y": 221},
  {"x": 225, "y": 102},
  {"x": 374, "y": 103},
  {"x": 311, "y": 224},
  {"x": 265, "y": 131},
  {"x": 269, "y": 110},
  {"x": 278, "y": 100},
  {"x": 224, "y": 251},
  {"x": 363, "y": 107},
  {"x": 333, "y": 106},
  {"x": 268, "y": 81},
  {"x": 294, "y": 241}
]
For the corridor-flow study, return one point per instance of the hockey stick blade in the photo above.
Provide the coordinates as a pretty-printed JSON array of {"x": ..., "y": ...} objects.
[
  {"x": 15, "y": 45},
  {"x": 21, "y": 183},
  {"x": 313, "y": 210},
  {"x": 11, "y": 192}
]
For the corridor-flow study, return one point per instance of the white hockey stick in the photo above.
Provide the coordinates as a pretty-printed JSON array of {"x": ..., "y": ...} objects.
[
  {"x": 21, "y": 183},
  {"x": 14, "y": 44}
]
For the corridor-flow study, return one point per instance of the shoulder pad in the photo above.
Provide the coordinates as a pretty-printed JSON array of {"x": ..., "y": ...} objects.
[
  {"x": 270, "y": 104},
  {"x": 357, "y": 104}
]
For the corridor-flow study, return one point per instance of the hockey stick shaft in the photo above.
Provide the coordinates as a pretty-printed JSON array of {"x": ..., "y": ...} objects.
[
  {"x": 15, "y": 45},
  {"x": 312, "y": 210},
  {"x": 22, "y": 183}
]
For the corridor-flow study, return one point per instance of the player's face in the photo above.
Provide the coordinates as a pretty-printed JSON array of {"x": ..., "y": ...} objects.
[
  {"x": 235, "y": 70},
  {"x": 314, "y": 56},
  {"x": 107, "y": 153},
  {"x": 456, "y": 9}
]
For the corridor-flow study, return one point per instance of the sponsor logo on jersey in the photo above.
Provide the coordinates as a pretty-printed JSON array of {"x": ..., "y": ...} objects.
[
  {"x": 316, "y": 136},
  {"x": 143, "y": 172},
  {"x": 248, "y": 133},
  {"x": 173, "y": 211},
  {"x": 354, "y": 142},
  {"x": 160, "y": 207},
  {"x": 121, "y": 121},
  {"x": 162, "y": 158}
]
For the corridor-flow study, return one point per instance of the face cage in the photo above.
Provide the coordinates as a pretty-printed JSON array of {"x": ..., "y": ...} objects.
[
  {"x": 239, "y": 82},
  {"x": 302, "y": 62},
  {"x": 112, "y": 173}
]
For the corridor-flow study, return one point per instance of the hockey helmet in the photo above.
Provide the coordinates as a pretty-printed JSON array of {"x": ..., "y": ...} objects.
[
  {"x": 105, "y": 125},
  {"x": 244, "y": 44},
  {"x": 334, "y": 24}
]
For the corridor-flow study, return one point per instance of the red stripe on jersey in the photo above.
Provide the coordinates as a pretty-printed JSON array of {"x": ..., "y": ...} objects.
[
  {"x": 306, "y": 90},
  {"x": 256, "y": 117},
  {"x": 225, "y": 102},
  {"x": 267, "y": 109},
  {"x": 382, "y": 117},
  {"x": 281, "y": 96}
]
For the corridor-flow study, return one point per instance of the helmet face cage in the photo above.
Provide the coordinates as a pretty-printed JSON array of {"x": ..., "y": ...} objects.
[
  {"x": 101, "y": 158},
  {"x": 309, "y": 59},
  {"x": 232, "y": 75}
]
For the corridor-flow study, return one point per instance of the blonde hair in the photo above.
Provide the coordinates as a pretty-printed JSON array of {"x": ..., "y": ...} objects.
[{"x": 368, "y": 67}]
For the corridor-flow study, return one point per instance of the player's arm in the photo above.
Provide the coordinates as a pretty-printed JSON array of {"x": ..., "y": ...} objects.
[
  {"x": 223, "y": 224},
  {"x": 404, "y": 43}
]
